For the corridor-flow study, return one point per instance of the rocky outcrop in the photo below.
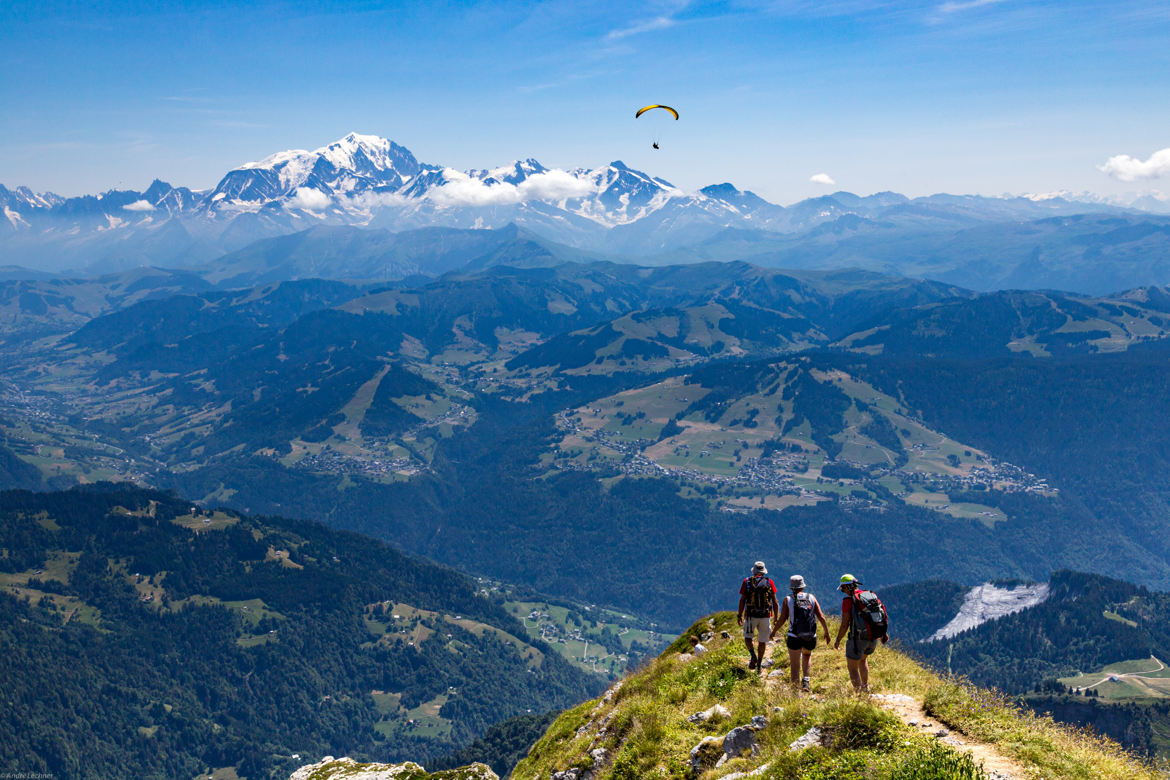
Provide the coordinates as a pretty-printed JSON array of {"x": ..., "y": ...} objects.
[
  {"x": 330, "y": 768},
  {"x": 716, "y": 751}
]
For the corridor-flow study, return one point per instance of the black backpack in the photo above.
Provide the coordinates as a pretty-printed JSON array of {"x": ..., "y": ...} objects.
[
  {"x": 759, "y": 596},
  {"x": 802, "y": 617},
  {"x": 869, "y": 615}
]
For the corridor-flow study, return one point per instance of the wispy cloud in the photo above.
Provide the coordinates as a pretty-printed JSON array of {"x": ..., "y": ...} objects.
[
  {"x": 1126, "y": 168},
  {"x": 957, "y": 6},
  {"x": 821, "y": 178},
  {"x": 650, "y": 25}
]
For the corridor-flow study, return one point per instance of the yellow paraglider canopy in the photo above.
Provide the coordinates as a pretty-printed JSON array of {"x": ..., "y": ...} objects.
[{"x": 644, "y": 109}]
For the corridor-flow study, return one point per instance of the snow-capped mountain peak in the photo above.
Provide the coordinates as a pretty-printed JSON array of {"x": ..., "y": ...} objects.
[{"x": 352, "y": 165}]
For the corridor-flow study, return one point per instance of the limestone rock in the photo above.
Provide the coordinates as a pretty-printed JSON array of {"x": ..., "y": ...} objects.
[
  {"x": 813, "y": 736},
  {"x": 718, "y": 712},
  {"x": 330, "y": 768},
  {"x": 572, "y": 773},
  {"x": 740, "y": 740},
  {"x": 706, "y": 754},
  {"x": 757, "y": 772},
  {"x": 725, "y": 634}
]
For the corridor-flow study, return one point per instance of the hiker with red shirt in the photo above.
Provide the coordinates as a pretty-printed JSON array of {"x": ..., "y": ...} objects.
[
  {"x": 859, "y": 646},
  {"x": 757, "y": 596}
]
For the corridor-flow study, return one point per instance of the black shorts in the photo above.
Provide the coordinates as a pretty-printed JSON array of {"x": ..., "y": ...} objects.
[{"x": 802, "y": 643}]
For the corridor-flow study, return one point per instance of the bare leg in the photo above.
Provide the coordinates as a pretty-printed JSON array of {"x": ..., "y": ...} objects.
[
  {"x": 760, "y": 655},
  {"x": 863, "y": 672},
  {"x": 794, "y": 666},
  {"x": 806, "y": 662},
  {"x": 854, "y": 672}
]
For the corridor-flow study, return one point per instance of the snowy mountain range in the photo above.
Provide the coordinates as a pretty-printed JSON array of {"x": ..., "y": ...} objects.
[{"x": 371, "y": 182}]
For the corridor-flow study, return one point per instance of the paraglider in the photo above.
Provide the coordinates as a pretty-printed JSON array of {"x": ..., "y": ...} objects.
[
  {"x": 644, "y": 109},
  {"x": 667, "y": 109}
]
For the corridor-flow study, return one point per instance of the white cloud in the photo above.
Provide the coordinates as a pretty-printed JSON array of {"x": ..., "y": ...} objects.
[
  {"x": 657, "y": 23},
  {"x": 821, "y": 178},
  {"x": 375, "y": 200},
  {"x": 463, "y": 190},
  {"x": 309, "y": 199},
  {"x": 139, "y": 205},
  {"x": 1127, "y": 168}
]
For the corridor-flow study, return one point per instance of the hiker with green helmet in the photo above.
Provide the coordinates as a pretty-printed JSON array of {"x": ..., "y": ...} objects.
[
  {"x": 757, "y": 597},
  {"x": 801, "y": 611},
  {"x": 864, "y": 618}
]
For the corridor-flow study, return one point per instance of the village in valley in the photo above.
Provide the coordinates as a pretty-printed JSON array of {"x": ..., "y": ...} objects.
[{"x": 730, "y": 452}]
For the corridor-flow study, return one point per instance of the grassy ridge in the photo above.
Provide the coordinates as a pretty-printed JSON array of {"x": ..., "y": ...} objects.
[{"x": 642, "y": 724}]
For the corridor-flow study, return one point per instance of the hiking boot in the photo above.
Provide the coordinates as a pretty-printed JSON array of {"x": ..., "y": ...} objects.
[
  {"x": 753, "y": 664},
  {"x": 805, "y": 684}
]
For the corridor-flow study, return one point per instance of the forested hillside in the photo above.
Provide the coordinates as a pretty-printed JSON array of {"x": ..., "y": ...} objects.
[
  {"x": 1091, "y": 653},
  {"x": 549, "y": 426},
  {"x": 148, "y": 638}
]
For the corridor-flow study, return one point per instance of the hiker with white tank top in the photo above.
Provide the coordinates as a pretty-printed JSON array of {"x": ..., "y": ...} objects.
[{"x": 801, "y": 611}]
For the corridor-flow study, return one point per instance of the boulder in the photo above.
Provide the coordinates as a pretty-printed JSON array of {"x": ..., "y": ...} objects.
[
  {"x": 707, "y": 754},
  {"x": 572, "y": 773},
  {"x": 740, "y": 740},
  {"x": 718, "y": 712},
  {"x": 814, "y": 736},
  {"x": 713, "y": 751}
]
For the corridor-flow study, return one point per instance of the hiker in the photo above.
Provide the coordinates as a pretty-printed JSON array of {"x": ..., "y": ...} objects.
[
  {"x": 757, "y": 595},
  {"x": 801, "y": 611},
  {"x": 864, "y": 618},
  {"x": 697, "y": 647}
]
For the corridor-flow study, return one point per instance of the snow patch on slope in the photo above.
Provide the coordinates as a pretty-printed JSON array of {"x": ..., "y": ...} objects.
[{"x": 987, "y": 602}]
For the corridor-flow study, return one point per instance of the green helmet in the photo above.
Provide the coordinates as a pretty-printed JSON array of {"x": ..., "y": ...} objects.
[{"x": 847, "y": 579}]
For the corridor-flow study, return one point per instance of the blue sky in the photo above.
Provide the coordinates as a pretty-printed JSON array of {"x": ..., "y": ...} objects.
[{"x": 982, "y": 96}]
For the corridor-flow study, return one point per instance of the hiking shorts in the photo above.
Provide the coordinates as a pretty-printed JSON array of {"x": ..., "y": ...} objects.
[
  {"x": 856, "y": 649},
  {"x": 761, "y": 624},
  {"x": 805, "y": 643}
]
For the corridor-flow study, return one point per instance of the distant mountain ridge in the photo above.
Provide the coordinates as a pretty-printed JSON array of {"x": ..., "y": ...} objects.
[{"x": 369, "y": 182}]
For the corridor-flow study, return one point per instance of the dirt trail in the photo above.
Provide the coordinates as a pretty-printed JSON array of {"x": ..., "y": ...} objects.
[{"x": 909, "y": 710}]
